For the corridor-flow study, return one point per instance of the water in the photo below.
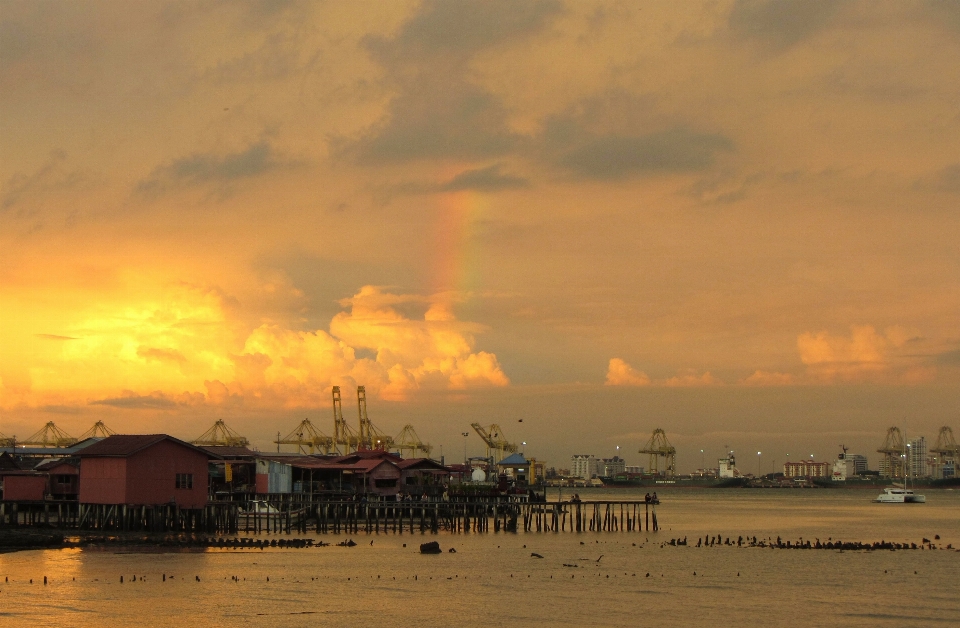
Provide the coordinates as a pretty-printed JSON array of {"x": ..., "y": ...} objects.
[{"x": 492, "y": 580}]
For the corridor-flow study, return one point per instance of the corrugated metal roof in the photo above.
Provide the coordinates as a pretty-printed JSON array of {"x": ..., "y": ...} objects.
[
  {"x": 123, "y": 445},
  {"x": 513, "y": 459}
]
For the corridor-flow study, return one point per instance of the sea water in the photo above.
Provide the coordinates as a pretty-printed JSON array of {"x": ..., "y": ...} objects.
[{"x": 492, "y": 579}]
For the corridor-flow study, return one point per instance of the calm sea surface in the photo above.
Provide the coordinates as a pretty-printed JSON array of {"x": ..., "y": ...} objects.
[{"x": 492, "y": 580}]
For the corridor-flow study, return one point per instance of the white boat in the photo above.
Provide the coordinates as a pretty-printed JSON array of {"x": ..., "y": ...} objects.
[{"x": 899, "y": 496}]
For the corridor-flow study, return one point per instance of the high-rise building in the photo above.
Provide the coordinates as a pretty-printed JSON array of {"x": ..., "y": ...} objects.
[
  {"x": 586, "y": 466},
  {"x": 917, "y": 458}
]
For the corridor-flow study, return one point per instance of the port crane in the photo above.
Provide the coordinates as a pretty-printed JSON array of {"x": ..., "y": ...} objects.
[
  {"x": 497, "y": 445},
  {"x": 7, "y": 441},
  {"x": 946, "y": 449},
  {"x": 49, "y": 436},
  {"x": 658, "y": 447},
  {"x": 892, "y": 450},
  {"x": 370, "y": 436},
  {"x": 342, "y": 434},
  {"x": 221, "y": 436},
  {"x": 308, "y": 439},
  {"x": 99, "y": 430},
  {"x": 407, "y": 440}
]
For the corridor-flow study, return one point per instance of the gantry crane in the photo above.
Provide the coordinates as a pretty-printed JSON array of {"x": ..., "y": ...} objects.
[
  {"x": 946, "y": 449},
  {"x": 342, "y": 434},
  {"x": 8, "y": 441},
  {"x": 370, "y": 436},
  {"x": 308, "y": 439},
  {"x": 893, "y": 454},
  {"x": 220, "y": 436},
  {"x": 99, "y": 430},
  {"x": 407, "y": 440},
  {"x": 659, "y": 447},
  {"x": 49, "y": 436},
  {"x": 497, "y": 445}
]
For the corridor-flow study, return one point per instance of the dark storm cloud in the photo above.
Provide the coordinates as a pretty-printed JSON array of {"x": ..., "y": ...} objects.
[
  {"x": 137, "y": 402},
  {"x": 948, "y": 179},
  {"x": 949, "y": 358},
  {"x": 436, "y": 112},
  {"x": 199, "y": 169},
  {"x": 780, "y": 24},
  {"x": 489, "y": 179},
  {"x": 617, "y": 156}
]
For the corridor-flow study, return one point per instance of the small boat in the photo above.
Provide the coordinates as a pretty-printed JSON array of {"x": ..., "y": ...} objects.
[{"x": 899, "y": 495}]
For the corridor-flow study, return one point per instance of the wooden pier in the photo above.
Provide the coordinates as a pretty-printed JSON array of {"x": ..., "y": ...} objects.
[{"x": 286, "y": 515}]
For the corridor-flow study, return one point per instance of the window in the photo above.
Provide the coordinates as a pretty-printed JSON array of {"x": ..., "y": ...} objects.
[
  {"x": 185, "y": 480},
  {"x": 385, "y": 483}
]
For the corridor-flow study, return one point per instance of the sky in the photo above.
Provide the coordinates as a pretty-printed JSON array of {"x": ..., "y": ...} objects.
[{"x": 736, "y": 221}]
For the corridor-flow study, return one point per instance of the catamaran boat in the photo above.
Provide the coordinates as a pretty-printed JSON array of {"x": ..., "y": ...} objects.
[{"x": 899, "y": 495}]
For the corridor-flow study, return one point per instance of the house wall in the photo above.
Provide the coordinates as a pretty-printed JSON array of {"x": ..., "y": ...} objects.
[
  {"x": 103, "y": 480},
  {"x": 151, "y": 476},
  {"x": 274, "y": 477},
  {"x": 24, "y": 487},
  {"x": 384, "y": 471}
]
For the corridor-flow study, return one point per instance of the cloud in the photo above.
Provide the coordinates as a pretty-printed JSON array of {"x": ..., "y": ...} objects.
[
  {"x": 51, "y": 176},
  {"x": 199, "y": 169},
  {"x": 132, "y": 401},
  {"x": 162, "y": 355},
  {"x": 866, "y": 355},
  {"x": 442, "y": 29},
  {"x": 615, "y": 157},
  {"x": 437, "y": 112},
  {"x": 945, "y": 180},
  {"x": 768, "y": 378},
  {"x": 780, "y": 25},
  {"x": 54, "y": 337},
  {"x": 690, "y": 377},
  {"x": 619, "y": 373},
  {"x": 489, "y": 179}
]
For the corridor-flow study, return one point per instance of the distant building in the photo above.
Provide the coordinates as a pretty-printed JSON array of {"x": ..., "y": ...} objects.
[
  {"x": 728, "y": 467},
  {"x": 917, "y": 463},
  {"x": 848, "y": 465},
  {"x": 807, "y": 469},
  {"x": 586, "y": 466},
  {"x": 613, "y": 466}
]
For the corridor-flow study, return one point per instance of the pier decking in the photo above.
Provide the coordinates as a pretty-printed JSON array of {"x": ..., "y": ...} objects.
[{"x": 334, "y": 517}]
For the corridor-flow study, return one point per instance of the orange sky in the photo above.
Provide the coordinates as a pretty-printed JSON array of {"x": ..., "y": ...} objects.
[{"x": 733, "y": 220}]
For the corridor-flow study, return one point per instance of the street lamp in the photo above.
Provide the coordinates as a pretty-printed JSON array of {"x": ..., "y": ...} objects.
[
  {"x": 703, "y": 466},
  {"x": 759, "y": 472},
  {"x": 524, "y": 450},
  {"x": 465, "y": 434}
]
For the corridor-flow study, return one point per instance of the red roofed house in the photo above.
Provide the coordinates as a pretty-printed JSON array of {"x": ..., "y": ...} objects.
[
  {"x": 64, "y": 474},
  {"x": 147, "y": 469}
]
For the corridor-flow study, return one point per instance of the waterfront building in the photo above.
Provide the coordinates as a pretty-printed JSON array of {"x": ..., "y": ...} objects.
[
  {"x": 807, "y": 469},
  {"x": 613, "y": 466},
  {"x": 586, "y": 466},
  {"x": 144, "y": 469}
]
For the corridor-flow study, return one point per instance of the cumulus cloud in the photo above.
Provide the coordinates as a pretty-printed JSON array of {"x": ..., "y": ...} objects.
[
  {"x": 194, "y": 349},
  {"x": 866, "y": 354},
  {"x": 619, "y": 373}
]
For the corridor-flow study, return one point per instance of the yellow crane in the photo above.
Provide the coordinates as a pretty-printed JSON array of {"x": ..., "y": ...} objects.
[
  {"x": 407, "y": 440},
  {"x": 497, "y": 445},
  {"x": 221, "y": 436},
  {"x": 946, "y": 449},
  {"x": 99, "y": 430},
  {"x": 49, "y": 436},
  {"x": 308, "y": 439},
  {"x": 8, "y": 441},
  {"x": 370, "y": 436},
  {"x": 658, "y": 447},
  {"x": 892, "y": 450},
  {"x": 343, "y": 436}
]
